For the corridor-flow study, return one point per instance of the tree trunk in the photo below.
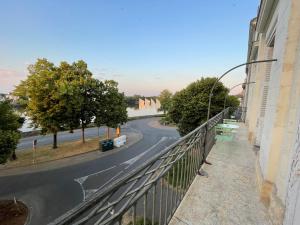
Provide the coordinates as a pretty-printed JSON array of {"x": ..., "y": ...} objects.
[
  {"x": 107, "y": 134},
  {"x": 98, "y": 131},
  {"x": 54, "y": 140},
  {"x": 82, "y": 129},
  {"x": 13, "y": 156}
]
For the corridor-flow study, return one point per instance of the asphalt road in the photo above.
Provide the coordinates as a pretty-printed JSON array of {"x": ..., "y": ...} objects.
[
  {"x": 51, "y": 193},
  {"x": 26, "y": 143}
]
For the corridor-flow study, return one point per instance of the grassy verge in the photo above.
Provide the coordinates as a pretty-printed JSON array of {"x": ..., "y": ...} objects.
[{"x": 46, "y": 153}]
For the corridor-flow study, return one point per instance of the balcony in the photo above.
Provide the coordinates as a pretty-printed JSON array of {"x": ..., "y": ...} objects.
[
  {"x": 228, "y": 192},
  {"x": 167, "y": 190}
]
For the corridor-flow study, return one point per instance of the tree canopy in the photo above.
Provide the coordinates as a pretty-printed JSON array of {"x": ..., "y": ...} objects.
[
  {"x": 67, "y": 96},
  {"x": 10, "y": 122},
  {"x": 165, "y": 99},
  {"x": 111, "y": 105},
  {"x": 189, "y": 106},
  {"x": 40, "y": 97}
]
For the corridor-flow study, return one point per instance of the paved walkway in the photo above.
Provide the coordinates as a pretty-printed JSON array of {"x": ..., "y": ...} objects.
[{"x": 229, "y": 194}]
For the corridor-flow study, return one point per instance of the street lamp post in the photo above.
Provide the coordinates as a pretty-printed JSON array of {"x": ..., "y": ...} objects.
[
  {"x": 233, "y": 68},
  {"x": 233, "y": 88}
]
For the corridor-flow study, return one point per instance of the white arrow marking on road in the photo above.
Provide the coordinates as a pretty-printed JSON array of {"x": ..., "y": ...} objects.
[
  {"x": 129, "y": 162},
  {"x": 81, "y": 180}
]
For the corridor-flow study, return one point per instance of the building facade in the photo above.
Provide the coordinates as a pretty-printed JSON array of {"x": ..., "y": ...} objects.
[{"x": 273, "y": 106}]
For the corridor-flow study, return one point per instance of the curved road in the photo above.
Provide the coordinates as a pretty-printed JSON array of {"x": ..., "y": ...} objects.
[{"x": 51, "y": 193}]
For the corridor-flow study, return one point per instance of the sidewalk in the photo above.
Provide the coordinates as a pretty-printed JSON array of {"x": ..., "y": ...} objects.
[
  {"x": 229, "y": 194},
  {"x": 132, "y": 138}
]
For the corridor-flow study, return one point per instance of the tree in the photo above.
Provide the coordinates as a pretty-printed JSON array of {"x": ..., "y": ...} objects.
[
  {"x": 99, "y": 103},
  {"x": 84, "y": 87},
  {"x": 39, "y": 96},
  {"x": 165, "y": 99},
  {"x": 189, "y": 106},
  {"x": 68, "y": 91},
  {"x": 232, "y": 102},
  {"x": 77, "y": 93},
  {"x": 10, "y": 122},
  {"x": 114, "y": 112}
]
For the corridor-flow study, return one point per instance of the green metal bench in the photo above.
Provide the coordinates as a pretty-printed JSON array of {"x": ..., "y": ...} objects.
[
  {"x": 223, "y": 134},
  {"x": 230, "y": 121}
]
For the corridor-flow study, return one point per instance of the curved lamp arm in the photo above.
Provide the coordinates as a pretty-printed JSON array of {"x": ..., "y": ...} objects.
[
  {"x": 228, "y": 71},
  {"x": 235, "y": 87}
]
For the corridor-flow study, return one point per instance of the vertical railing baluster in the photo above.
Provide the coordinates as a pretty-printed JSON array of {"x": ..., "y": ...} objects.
[
  {"x": 180, "y": 165},
  {"x": 189, "y": 169},
  {"x": 167, "y": 198},
  {"x": 145, "y": 208},
  {"x": 160, "y": 201},
  {"x": 185, "y": 171},
  {"x": 195, "y": 159},
  {"x": 153, "y": 203},
  {"x": 193, "y": 164},
  {"x": 178, "y": 181},
  {"x": 172, "y": 188},
  {"x": 198, "y": 150},
  {"x": 134, "y": 214},
  {"x": 120, "y": 220}
]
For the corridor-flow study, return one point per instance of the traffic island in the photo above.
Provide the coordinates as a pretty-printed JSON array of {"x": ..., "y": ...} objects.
[{"x": 13, "y": 212}]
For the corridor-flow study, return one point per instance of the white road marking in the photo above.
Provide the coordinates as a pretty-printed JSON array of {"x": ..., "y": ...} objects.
[
  {"x": 82, "y": 188},
  {"x": 88, "y": 192},
  {"x": 84, "y": 178},
  {"x": 110, "y": 180},
  {"x": 136, "y": 158},
  {"x": 81, "y": 180}
]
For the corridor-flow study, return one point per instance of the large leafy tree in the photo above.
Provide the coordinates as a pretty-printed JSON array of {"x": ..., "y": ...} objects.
[
  {"x": 84, "y": 86},
  {"x": 114, "y": 112},
  {"x": 39, "y": 96},
  {"x": 77, "y": 89},
  {"x": 10, "y": 122},
  {"x": 69, "y": 91},
  {"x": 165, "y": 99},
  {"x": 189, "y": 106},
  {"x": 99, "y": 103}
]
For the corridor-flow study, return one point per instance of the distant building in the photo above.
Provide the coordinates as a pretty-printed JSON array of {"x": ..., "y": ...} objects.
[
  {"x": 141, "y": 104},
  {"x": 273, "y": 106},
  {"x": 147, "y": 103},
  {"x": 152, "y": 103},
  {"x": 158, "y": 105}
]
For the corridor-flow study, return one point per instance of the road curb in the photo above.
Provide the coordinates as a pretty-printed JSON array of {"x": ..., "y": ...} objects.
[
  {"x": 28, "y": 219},
  {"x": 33, "y": 168}
]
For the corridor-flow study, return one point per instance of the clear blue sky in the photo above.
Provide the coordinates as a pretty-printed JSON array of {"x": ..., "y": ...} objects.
[{"x": 146, "y": 45}]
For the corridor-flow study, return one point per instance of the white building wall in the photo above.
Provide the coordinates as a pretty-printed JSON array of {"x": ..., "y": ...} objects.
[
  {"x": 249, "y": 90},
  {"x": 280, "y": 18}
]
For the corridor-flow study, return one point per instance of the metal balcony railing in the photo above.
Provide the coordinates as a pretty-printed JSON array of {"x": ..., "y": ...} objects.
[{"x": 150, "y": 193}]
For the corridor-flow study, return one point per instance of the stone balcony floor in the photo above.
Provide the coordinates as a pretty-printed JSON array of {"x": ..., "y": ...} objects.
[{"x": 228, "y": 195}]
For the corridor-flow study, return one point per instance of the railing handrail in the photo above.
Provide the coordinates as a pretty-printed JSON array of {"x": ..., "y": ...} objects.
[{"x": 96, "y": 197}]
